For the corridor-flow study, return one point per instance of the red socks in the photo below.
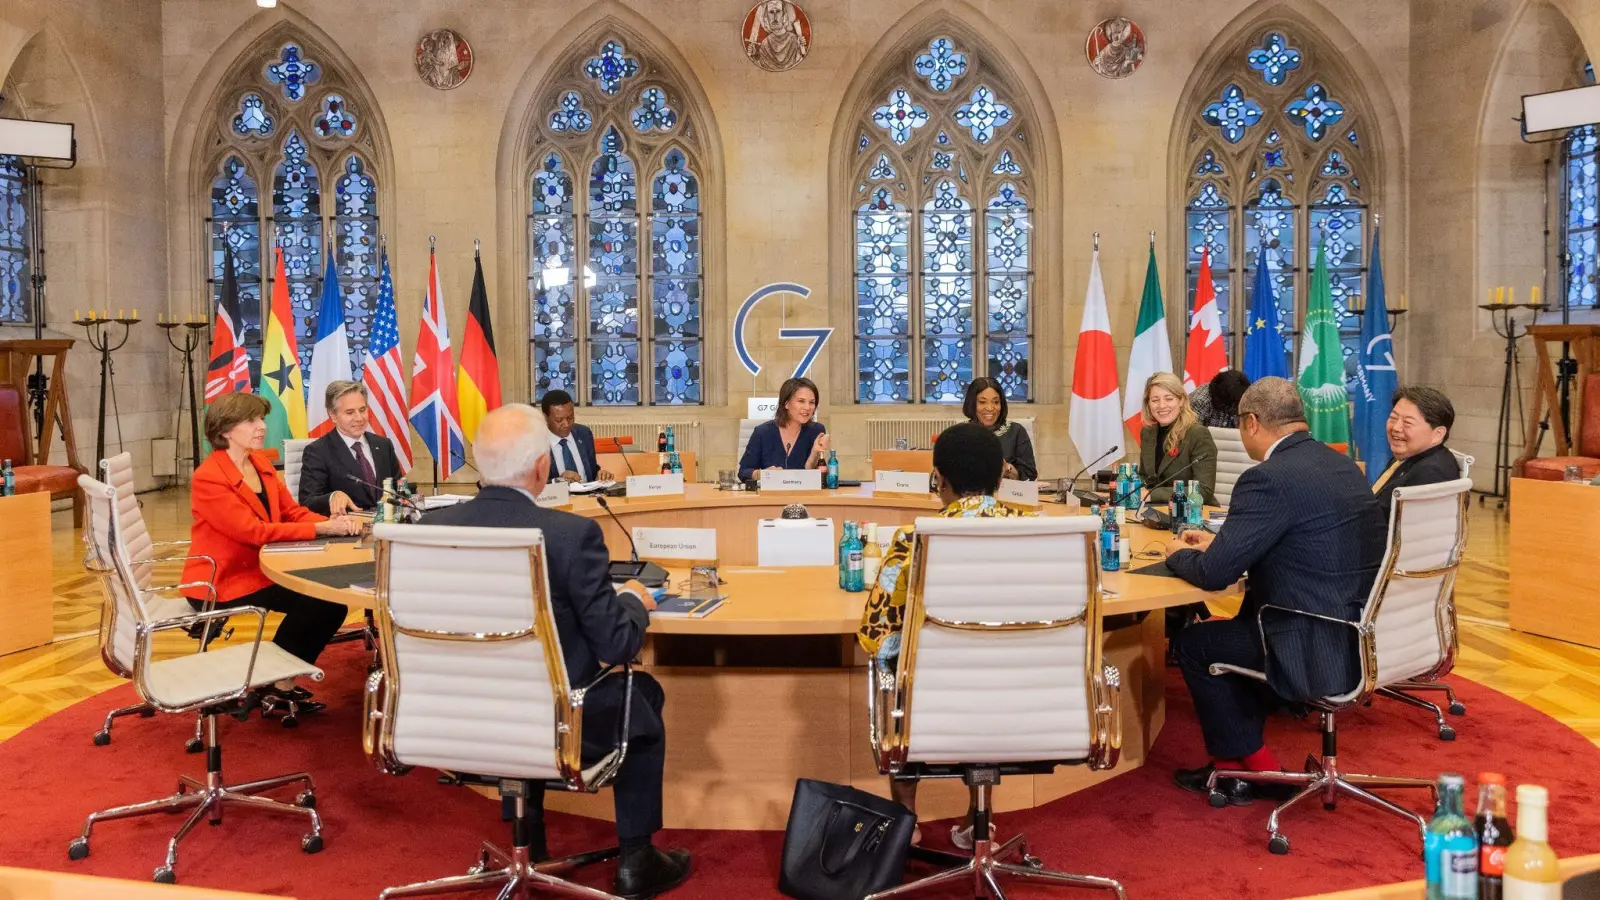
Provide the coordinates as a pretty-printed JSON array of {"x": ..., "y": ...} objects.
[{"x": 1261, "y": 761}]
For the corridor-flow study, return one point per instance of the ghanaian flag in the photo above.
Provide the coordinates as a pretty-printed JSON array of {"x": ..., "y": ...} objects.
[
  {"x": 281, "y": 382},
  {"x": 478, "y": 377}
]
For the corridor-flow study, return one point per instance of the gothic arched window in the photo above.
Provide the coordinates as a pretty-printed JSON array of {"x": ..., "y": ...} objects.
[
  {"x": 16, "y": 226},
  {"x": 293, "y": 163},
  {"x": 1280, "y": 155},
  {"x": 1580, "y": 213},
  {"x": 615, "y": 281},
  {"x": 942, "y": 219}
]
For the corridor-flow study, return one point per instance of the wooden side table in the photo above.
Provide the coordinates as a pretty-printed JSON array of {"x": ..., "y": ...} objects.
[{"x": 26, "y": 618}]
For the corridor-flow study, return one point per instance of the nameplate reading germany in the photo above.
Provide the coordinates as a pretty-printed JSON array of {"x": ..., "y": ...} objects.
[
  {"x": 654, "y": 485},
  {"x": 676, "y": 543},
  {"x": 791, "y": 480},
  {"x": 555, "y": 494},
  {"x": 900, "y": 483}
]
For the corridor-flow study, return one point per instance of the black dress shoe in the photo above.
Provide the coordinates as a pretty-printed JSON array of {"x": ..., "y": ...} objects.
[
  {"x": 650, "y": 872},
  {"x": 295, "y": 700},
  {"x": 1234, "y": 791}
]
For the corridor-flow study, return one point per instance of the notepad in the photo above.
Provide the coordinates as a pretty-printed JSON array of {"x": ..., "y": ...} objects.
[
  {"x": 294, "y": 547},
  {"x": 673, "y": 607}
]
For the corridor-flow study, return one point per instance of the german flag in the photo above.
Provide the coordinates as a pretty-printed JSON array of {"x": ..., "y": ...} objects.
[{"x": 478, "y": 378}]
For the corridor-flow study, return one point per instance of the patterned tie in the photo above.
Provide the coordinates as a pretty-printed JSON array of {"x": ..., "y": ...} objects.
[
  {"x": 361, "y": 460},
  {"x": 569, "y": 464}
]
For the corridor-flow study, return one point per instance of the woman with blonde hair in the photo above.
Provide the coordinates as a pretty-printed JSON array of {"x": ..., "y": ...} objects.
[{"x": 1173, "y": 444}]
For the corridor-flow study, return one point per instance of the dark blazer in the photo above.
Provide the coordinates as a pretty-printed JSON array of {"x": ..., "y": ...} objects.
[
  {"x": 1307, "y": 528},
  {"x": 1431, "y": 466},
  {"x": 1155, "y": 465},
  {"x": 1017, "y": 448},
  {"x": 585, "y": 440},
  {"x": 594, "y": 622},
  {"x": 328, "y": 466},
  {"x": 765, "y": 449}
]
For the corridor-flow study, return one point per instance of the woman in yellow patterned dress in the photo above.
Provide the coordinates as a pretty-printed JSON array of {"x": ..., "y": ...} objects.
[{"x": 967, "y": 462}]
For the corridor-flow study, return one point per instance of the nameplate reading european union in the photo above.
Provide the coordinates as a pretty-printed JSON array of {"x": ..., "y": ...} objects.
[
  {"x": 1022, "y": 493},
  {"x": 654, "y": 485},
  {"x": 555, "y": 494},
  {"x": 676, "y": 543},
  {"x": 900, "y": 483},
  {"x": 791, "y": 480}
]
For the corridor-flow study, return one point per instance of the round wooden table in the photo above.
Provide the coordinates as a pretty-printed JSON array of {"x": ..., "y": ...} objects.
[{"x": 772, "y": 686}]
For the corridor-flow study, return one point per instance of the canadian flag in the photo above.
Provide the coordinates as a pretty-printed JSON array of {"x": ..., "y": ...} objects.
[{"x": 1206, "y": 355}]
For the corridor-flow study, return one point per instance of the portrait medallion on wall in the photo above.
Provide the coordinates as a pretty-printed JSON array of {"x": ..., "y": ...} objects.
[
  {"x": 777, "y": 35},
  {"x": 1115, "y": 47},
  {"x": 444, "y": 60}
]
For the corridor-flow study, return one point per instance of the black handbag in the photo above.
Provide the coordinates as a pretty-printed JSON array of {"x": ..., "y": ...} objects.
[{"x": 843, "y": 844}]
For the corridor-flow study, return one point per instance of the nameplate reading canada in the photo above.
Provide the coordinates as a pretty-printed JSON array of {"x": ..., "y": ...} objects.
[
  {"x": 791, "y": 480},
  {"x": 555, "y": 494},
  {"x": 654, "y": 485},
  {"x": 1022, "y": 493},
  {"x": 900, "y": 483},
  {"x": 676, "y": 543}
]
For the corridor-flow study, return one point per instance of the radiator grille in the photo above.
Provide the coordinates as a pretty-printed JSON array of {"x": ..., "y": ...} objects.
[
  {"x": 685, "y": 435},
  {"x": 882, "y": 433}
]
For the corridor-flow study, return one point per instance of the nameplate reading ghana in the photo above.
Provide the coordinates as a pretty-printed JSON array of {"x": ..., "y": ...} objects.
[
  {"x": 791, "y": 480},
  {"x": 676, "y": 543},
  {"x": 900, "y": 483},
  {"x": 555, "y": 494},
  {"x": 1022, "y": 493},
  {"x": 654, "y": 485}
]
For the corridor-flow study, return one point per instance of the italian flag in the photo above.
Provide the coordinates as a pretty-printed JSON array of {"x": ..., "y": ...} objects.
[
  {"x": 1205, "y": 354},
  {"x": 1095, "y": 416},
  {"x": 1321, "y": 377},
  {"x": 281, "y": 383},
  {"x": 1152, "y": 351}
]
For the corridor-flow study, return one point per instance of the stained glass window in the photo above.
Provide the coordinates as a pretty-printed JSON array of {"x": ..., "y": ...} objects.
[
  {"x": 1580, "y": 224},
  {"x": 16, "y": 292},
  {"x": 293, "y": 172},
  {"x": 1277, "y": 164},
  {"x": 944, "y": 261},
  {"x": 629, "y": 329}
]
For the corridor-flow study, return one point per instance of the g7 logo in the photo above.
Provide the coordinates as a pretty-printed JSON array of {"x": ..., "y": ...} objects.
[{"x": 818, "y": 336}]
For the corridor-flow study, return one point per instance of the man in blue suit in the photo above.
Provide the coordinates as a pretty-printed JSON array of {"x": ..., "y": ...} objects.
[
  {"x": 1309, "y": 532},
  {"x": 571, "y": 445}
]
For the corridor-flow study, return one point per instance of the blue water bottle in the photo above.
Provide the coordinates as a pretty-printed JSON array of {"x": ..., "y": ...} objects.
[
  {"x": 1121, "y": 496},
  {"x": 855, "y": 562},
  {"x": 1197, "y": 509},
  {"x": 831, "y": 480},
  {"x": 1450, "y": 845},
  {"x": 8, "y": 480},
  {"x": 675, "y": 463},
  {"x": 844, "y": 552},
  {"x": 672, "y": 441},
  {"x": 1135, "y": 485},
  {"x": 1179, "y": 508},
  {"x": 1110, "y": 537}
]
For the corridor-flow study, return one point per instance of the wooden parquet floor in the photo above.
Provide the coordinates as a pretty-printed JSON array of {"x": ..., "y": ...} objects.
[{"x": 1560, "y": 679}]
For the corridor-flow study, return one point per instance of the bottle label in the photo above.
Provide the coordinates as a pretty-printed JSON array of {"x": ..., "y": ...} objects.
[
  {"x": 1492, "y": 860},
  {"x": 1459, "y": 868},
  {"x": 1517, "y": 889}
]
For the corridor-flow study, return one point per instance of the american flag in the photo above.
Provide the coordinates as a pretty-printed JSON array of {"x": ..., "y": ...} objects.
[
  {"x": 381, "y": 374},
  {"x": 433, "y": 392}
]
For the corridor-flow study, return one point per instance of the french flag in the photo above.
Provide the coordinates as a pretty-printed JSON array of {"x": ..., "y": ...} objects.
[{"x": 330, "y": 357}]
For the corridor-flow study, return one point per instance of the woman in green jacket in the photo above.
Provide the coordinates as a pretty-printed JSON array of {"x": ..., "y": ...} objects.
[{"x": 1172, "y": 439}]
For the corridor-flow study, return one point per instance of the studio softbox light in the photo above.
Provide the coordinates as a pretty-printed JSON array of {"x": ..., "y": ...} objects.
[
  {"x": 37, "y": 140},
  {"x": 1556, "y": 110}
]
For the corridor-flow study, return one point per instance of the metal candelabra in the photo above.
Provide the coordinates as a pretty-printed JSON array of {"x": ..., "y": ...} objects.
[
  {"x": 186, "y": 341},
  {"x": 101, "y": 338},
  {"x": 1501, "y": 316}
]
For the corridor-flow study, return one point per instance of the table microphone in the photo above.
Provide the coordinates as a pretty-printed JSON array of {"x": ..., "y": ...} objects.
[
  {"x": 397, "y": 498},
  {"x": 1072, "y": 488},
  {"x": 649, "y": 574},
  {"x": 618, "y": 490}
]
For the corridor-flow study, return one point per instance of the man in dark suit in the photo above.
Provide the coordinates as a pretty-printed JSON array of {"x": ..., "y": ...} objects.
[
  {"x": 596, "y": 624},
  {"x": 1307, "y": 529},
  {"x": 1419, "y": 424},
  {"x": 571, "y": 445},
  {"x": 345, "y": 468}
]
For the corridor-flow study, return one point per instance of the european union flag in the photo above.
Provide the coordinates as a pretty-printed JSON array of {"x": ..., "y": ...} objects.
[
  {"x": 1263, "y": 342},
  {"x": 1375, "y": 375}
]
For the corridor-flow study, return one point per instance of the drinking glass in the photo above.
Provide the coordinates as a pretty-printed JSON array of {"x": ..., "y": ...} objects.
[
  {"x": 726, "y": 479},
  {"x": 902, "y": 444},
  {"x": 1574, "y": 475}
]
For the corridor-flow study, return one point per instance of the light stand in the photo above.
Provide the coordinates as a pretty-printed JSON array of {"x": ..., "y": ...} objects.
[
  {"x": 1501, "y": 318},
  {"x": 38, "y": 382}
]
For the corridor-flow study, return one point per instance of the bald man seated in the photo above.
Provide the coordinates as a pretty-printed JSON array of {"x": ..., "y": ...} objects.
[{"x": 596, "y": 624}]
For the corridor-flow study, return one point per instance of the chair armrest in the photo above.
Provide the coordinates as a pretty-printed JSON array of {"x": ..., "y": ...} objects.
[
  {"x": 1310, "y": 615},
  {"x": 883, "y": 717},
  {"x": 174, "y": 559},
  {"x": 1106, "y": 750},
  {"x": 170, "y": 543},
  {"x": 145, "y": 646},
  {"x": 575, "y": 780},
  {"x": 1231, "y": 669}
]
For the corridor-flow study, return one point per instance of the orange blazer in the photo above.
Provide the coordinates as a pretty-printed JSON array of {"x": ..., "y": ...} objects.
[{"x": 230, "y": 526}]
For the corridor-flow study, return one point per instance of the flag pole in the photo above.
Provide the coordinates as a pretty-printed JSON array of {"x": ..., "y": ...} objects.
[
  {"x": 1152, "y": 239},
  {"x": 477, "y": 246},
  {"x": 1097, "y": 242},
  {"x": 433, "y": 245}
]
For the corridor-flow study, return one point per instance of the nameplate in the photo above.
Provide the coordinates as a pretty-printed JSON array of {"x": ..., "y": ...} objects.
[
  {"x": 1022, "y": 493},
  {"x": 555, "y": 494},
  {"x": 796, "y": 542},
  {"x": 791, "y": 480},
  {"x": 900, "y": 483},
  {"x": 654, "y": 485},
  {"x": 761, "y": 407},
  {"x": 676, "y": 543}
]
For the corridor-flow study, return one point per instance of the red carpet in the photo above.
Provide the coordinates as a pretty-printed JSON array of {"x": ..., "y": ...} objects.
[{"x": 382, "y": 830}]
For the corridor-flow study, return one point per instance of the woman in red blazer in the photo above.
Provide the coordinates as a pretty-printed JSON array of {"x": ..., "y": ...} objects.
[{"x": 239, "y": 505}]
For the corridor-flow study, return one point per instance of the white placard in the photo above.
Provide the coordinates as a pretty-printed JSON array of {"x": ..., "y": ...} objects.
[
  {"x": 1022, "y": 493},
  {"x": 556, "y": 493},
  {"x": 887, "y": 482},
  {"x": 796, "y": 542},
  {"x": 761, "y": 407},
  {"x": 676, "y": 543},
  {"x": 654, "y": 485},
  {"x": 791, "y": 480}
]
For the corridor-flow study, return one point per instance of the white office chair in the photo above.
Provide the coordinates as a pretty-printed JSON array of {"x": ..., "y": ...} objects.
[
  {"x": 1007, "y": 610},
  {"x": 473, "y": 683},
  {"x": 294, "y": 451},
  {"x": 1232, "y": 461},
  {"x": 1406, "y": 631},
  {"x": 745, "y": 427},
  {"x": 212, "y": 682}
]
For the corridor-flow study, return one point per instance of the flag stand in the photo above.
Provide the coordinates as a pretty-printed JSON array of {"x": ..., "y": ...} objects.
[{"x": 190, "y": 341}]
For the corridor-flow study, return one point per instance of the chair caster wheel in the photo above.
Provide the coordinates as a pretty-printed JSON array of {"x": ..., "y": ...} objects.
[
  {"x": 1458, "y": 708},
  {"x": 1279, "y": 845},
  {"x": 102, "y": 738},
  {"x": 1032, "y": 862},
  {"x": 1330, "y": 807},
  {"x": 78, "y": 849},
  {"x": 291, "y": 721},
  {"x": 1447, "y": 733},
  {"x": 193, "y": 745},
  {"x": 1217, "y": 799},
  {"x": 311, "y": 843},
  {"x": 147, "y": 713},
  {"x": 306, "y": 800},
  {"x": 165, "y": 875}
]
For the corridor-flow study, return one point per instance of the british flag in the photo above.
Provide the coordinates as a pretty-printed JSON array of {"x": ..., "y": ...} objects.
[
  {"x": 433, "y": 391},
  {"x": 386, "y": 387}
]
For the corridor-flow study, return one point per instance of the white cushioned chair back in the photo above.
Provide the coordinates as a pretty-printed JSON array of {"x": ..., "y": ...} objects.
[
  {"x": 117, "y": 471},
  {"x": 106, "y": 552},
  {"x": 745, "y": 427},
  {"x": 483, "y": 707},
  {"x": 1464, "y": 462},
  {"x": 1409, "y": 630},
  {"x": 1027, "y": 425},
  {"x": 1232, "y": 461},
  {"x": 294, "y": 452},
  {"x": 1002, "y": 696}
]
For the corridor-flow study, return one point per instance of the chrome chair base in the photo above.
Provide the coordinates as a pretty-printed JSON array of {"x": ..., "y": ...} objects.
[
  {"x": 988, "y": 866},
  {"x": 1322, "y": 777},
  {"x": 145, "y": 711},
  {"x": 514, "y": 875},
  {"x": 207, "y": 800},
  {"x": 1405, "y": 692}
]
